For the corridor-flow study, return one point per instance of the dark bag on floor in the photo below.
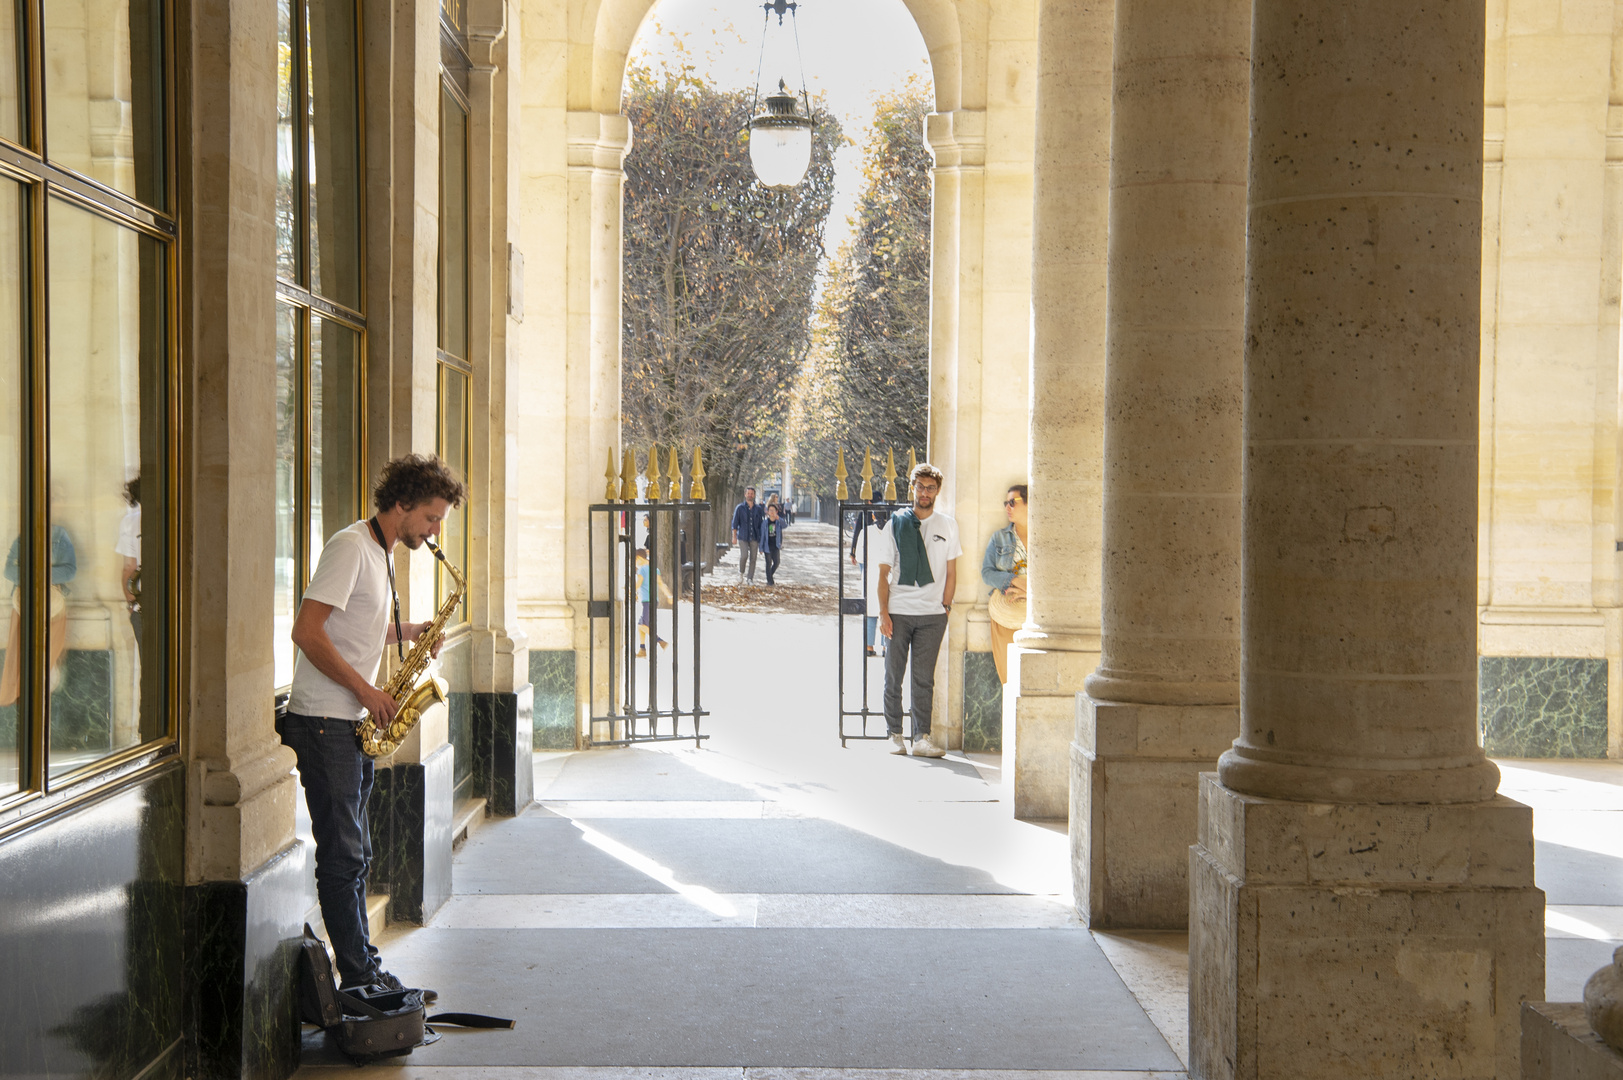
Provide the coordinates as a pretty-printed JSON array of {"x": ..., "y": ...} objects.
[{"x": 370, "y": 1023}]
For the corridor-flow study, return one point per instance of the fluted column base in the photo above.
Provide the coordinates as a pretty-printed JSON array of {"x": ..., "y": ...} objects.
[
  {"x": 1135, "y": 777},
  {"x": 1332, "y": 940}
]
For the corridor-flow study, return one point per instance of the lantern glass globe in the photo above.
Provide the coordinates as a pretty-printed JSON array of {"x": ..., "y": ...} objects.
[{"x": 780, "y": 153}]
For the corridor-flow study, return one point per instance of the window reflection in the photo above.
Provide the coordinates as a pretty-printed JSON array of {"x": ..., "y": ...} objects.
[
  {"x": 11, "y": 102},
  {"x": 104, "y": 92},
  {"x": 287, "y": 217},
  {"x": 334, "y": 367},
  {"x": 13, "y": 733},
  {"x": 288, "y": 583},
  {"x": 106, "y": 359},
  {"x": 334, "y": 152},
  {"x": 454, "y": 452},
  {"x": 453, "y": 225}
]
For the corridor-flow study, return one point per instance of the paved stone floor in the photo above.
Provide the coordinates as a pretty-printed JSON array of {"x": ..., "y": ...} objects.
[{"x": 770, "y": 906}]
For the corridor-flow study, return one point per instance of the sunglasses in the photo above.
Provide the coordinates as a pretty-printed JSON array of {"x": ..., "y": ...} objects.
[{"x": 1011, "y": 502}]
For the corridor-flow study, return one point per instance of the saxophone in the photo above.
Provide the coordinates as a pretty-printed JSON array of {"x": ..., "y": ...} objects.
[{"x": 411, "y": 698}]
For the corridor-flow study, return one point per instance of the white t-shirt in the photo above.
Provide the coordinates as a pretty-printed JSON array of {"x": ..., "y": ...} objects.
[
  {"x": 129, "y": 535},
  {"x": 353, "y": 577},
  {"x": 940, "y": 535},
  {"x": 881, "y": 535}
]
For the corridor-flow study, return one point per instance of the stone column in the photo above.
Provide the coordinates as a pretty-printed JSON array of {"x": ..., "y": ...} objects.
[
  {"x": 597, "y": 146},
  {"x": 957, "y": 142},
  {"x": 503, "y": 701},
  {"x": 245, "y": 871},
  {"x": 1059, "y": 645},
  {"x": 1363, "y": 902},
  {"x": 1165, "y": 700}
]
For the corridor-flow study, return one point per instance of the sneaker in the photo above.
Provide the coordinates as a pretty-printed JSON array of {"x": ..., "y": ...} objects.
[
  {"x": 871, "y": 651},
  {"x": 384, "y": 980},
  {"x": 897, "y": 745},
  {"x": 923, "y": 747},
  {"x": 642, "y": 652}
]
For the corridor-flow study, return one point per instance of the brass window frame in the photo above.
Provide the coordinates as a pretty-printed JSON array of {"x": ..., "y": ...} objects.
[
  {"x": 28, "y": 164},
  {"x": 308, "y": 305}
]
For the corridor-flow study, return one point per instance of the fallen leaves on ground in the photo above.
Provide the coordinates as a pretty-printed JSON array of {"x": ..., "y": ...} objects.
[{"x": 785, "y": 599}]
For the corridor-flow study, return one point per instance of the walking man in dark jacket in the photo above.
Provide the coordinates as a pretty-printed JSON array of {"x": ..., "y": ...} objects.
[{"x": 747, "y": 527}]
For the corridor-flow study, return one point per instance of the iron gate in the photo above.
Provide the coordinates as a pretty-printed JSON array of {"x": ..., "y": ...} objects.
[
  {"x": 854, "y": 583},
  {"x": 637, "y": 690}
]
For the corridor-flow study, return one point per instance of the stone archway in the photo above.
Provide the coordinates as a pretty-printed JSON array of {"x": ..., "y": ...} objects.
[{"x": 983, "y": 63}]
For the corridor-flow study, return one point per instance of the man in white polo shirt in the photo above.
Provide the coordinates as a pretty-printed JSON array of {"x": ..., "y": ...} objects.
[
  {"x": 342, "y": 626},
  {"x": 918, "y": 574}
]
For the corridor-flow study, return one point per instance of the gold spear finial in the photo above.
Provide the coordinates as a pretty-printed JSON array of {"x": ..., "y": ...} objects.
[
  {"x": 674, "y": 471},
  {"x": 840, "y": 491},
  {"x": 912, "y": 463},
  {"x": 628, "y": 476},
  {"x": 866, "y": 494},
  {"x": 653, "y": 473},
  {"x": 890, "y": 475},
  {"x": 611, "y": 491},
  {"x": 696, "y": 489}
]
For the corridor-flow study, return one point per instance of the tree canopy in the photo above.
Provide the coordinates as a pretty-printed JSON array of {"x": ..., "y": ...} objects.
[
  {"x": 719, "y": 277},
  {"x": 867, "y": 379}
]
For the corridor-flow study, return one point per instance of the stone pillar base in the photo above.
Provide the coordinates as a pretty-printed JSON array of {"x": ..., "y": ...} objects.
[
  {"x": 504, "y": 762},
  {"x": 410, "y": 812},
  {"x": 1558, "y": 1044},
  {"x": 1039, "y": 721},
  {"x": 1360, "y": 940},
  {"x": 1135, "y": 777}
]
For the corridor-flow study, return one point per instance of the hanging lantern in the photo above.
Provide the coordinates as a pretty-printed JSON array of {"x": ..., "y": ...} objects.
[
  {"x": 780, "y": 141},
  {"x": 780, "y": 136}
]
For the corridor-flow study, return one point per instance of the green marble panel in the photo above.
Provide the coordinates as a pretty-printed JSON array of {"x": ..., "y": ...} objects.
[
  {"x": 983, "y": 704},
  {"x": 552, "y": 673},
  {"x": 1542, "y": 707}
]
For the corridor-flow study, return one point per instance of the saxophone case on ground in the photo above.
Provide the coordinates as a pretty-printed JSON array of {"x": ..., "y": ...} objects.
[{"x": 412, "y": 698}]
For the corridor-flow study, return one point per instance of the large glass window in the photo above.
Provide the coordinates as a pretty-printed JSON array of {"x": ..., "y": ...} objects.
[
  {"x": 87, "y": 357},
  {"x": 454, "y": 360},
  {"x": 320, "y": 328}
]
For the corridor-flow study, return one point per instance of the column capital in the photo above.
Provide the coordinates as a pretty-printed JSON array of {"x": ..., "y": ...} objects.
[
  {"x": 957, "y": 139},
  {"x": 597, "y": 140}
]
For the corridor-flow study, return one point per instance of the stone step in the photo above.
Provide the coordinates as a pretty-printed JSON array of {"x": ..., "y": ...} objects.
[{"x": 466, "y": 818}]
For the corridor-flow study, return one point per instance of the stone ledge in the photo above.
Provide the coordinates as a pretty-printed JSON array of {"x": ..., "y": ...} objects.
[{"x": 1558, "y": 1044}]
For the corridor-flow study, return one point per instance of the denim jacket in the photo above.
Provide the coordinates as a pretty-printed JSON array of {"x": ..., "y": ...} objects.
[{"x": 997, "y": 569}]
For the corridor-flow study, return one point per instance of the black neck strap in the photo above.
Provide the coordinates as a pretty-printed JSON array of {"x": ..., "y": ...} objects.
[{"x": 388, "y": 563}]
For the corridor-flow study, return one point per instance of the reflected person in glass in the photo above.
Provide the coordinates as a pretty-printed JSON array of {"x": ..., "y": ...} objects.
[{"x": 64, "y": 568}]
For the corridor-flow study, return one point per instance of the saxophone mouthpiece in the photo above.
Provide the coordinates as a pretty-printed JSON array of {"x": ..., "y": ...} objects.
[{"x": 435, "y": 548}]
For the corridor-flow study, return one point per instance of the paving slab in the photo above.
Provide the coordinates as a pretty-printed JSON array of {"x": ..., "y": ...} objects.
[
  {"x": 542, "y": 852},
  {"x": 1571, "y": 875},
  {"x": 899, "y": 999}
]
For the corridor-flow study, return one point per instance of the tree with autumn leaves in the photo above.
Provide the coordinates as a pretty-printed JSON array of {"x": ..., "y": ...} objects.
[
  {"x": 867, "y": 379},
  {"x": 719, "y": 278}
]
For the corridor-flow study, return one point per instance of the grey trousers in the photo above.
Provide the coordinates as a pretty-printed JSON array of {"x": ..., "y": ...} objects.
[
  {"x": 919, "y": 636},
  {"x": 747, "y": 550}
]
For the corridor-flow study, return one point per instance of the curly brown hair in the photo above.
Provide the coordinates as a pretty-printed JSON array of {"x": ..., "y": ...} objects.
[
  {"x": 924, "y": 468},
  {"x": 416, "y": 478}
]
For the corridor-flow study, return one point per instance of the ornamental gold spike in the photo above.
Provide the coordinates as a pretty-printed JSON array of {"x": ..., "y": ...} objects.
[
  {"x": 611, "y": 492},
  {"x": 696, "y": 489},
  {"x": 866, "y": 494},
  {"x": 674, "y": 471},
  {"x": 628, "y": 476},
  {"x": 653, "y": 473},
  {"x": 890, "y": 475},
  {"x": 912, "y": 463},
  {"x": 840, "y": 491}
]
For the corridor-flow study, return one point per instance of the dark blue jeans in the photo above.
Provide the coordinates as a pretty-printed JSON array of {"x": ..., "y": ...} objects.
[{"x": 337, "y": 781}]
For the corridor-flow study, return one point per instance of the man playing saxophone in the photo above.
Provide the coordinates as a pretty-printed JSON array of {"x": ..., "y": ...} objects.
[{"x": 348, "y": 615}]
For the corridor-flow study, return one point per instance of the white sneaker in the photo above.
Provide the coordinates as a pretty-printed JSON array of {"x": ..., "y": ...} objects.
[
  {"x": 897, "y": 744},
  {"x": 923, "y": 747}
]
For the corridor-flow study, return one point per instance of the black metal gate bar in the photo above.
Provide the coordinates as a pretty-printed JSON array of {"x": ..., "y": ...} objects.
[
  {"x": 858, "y": 606},
  {"x": 635, "y": 708}
]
